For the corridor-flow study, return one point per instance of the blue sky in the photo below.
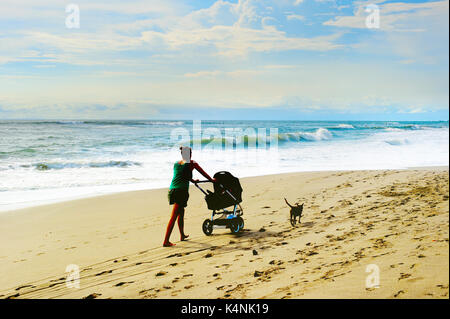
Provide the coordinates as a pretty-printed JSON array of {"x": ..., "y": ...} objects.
[{"x": 250, "y": 59}]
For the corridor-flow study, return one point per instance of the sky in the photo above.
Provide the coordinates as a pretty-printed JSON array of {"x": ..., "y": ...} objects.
[{"x": 246, "y": 59}]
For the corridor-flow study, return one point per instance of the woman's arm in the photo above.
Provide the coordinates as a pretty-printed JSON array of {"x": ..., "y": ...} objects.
[{"x": 201, "y": 171}]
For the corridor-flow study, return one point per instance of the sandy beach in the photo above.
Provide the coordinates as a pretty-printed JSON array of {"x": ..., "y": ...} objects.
[{"x": 397, "y": 220}]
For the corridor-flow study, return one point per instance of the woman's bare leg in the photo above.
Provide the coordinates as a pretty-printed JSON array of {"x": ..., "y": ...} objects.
[
  {"x": 170, "y": 225},
  {"x": 181, "y": 223}
]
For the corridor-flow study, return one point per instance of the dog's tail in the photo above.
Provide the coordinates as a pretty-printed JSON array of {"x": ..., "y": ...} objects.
[{"x": 288, "y": 203}]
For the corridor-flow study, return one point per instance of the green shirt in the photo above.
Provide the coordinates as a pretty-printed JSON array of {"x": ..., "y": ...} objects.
[{"x": 182, "y": 175}]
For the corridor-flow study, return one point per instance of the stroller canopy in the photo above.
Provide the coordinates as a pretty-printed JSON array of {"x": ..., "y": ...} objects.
[
  {"x": 230, "y": 183},
  {"x": 220, "y": 198}
]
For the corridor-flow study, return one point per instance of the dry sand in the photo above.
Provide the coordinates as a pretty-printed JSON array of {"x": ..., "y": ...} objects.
[{"x": 395, "y": 219}]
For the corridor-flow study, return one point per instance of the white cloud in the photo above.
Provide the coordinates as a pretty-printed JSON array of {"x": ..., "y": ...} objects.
[
  {"x": 224, "y": 29},
  {"x": 415, "y": 32},
  {"x": 202, "y": 55},
  {"x": 238, "y": 41},
  {"x": 45, "y": 9},
  {"x": 203, "y": 74},
  {"x": 416, "y": 110},
  {"x": 280, "y": 66},
  {"x": 295, "y": 17},
  {"x": 243, "y": 30},
  {"x": 217, "y": 73},
  {"x": 347, "y": 87}
]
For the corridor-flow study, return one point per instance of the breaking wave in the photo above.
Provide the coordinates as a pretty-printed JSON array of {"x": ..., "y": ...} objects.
[{"x": 57, "y": 166}]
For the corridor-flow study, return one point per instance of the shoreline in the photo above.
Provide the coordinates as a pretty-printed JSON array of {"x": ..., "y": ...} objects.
[
  {"x": 396, "y": 219},
  {"x": 34, "y": 204}
]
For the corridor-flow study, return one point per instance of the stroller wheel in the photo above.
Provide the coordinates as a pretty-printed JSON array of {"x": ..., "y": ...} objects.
[
  {"x": 240, "y": 221},
  {"x": 207, "y": 227},
  {"x": 234, "y": 225}
]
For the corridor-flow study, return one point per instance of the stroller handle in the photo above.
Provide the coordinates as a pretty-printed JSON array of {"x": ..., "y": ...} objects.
[
  {"x": 208, "y": 181},
  {"x": 205, "y": 181}
]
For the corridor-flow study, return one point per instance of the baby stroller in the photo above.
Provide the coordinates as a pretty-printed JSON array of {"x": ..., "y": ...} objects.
[{"x": 227, "y": 193}]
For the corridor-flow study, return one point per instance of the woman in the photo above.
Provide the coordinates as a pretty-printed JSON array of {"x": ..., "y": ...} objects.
[{"x": 179, "y": 191}]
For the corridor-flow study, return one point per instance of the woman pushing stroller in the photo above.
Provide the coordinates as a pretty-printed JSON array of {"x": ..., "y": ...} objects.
[{"x": 179, "y": 191}]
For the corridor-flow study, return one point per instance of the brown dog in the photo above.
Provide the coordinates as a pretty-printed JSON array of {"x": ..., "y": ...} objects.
[{"x": 295, "y": 211}]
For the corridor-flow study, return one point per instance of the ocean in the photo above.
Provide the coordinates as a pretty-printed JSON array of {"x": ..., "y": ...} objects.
[{"x": 47, "y": 161}]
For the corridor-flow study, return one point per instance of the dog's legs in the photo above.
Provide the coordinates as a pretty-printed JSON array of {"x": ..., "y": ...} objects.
[{"x": 292, "y": 219}]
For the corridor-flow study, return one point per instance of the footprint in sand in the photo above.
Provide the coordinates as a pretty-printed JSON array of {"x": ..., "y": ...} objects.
[
  {"x": 123, "y": 283},
  {"x": 281, "y": 244},
  {"x": 92, "y": 296},
  {"x": 145, "y": 291},
  {"x": 18, "y": 261},
  {"x": 258, "y": 273},
  {"x": 312, "y": 253},
  {"x": 404, "y": 276},
  {"x": 175, "y": 293},
  {"x": 26, "y": 286},
  {"x": 223, "y": 265}
]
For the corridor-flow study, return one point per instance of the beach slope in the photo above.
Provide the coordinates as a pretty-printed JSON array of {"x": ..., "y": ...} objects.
[{"x": 357, "y": 227}]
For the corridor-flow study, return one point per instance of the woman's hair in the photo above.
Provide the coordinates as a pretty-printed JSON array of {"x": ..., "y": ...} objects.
[
  {"x": 181, "y": 148},
  {"x": 190, "y": 152}
]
